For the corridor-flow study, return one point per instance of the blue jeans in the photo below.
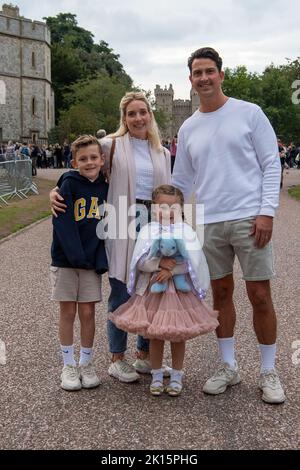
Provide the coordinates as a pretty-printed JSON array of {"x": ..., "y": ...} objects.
[{"x": 117, "y": 338}]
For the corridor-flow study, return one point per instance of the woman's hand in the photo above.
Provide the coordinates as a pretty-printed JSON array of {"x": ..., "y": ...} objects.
[
  {"x": 163, "y": 275},
  {"x": 167, "y": 263},
  {"x": 56, "y": 202}
]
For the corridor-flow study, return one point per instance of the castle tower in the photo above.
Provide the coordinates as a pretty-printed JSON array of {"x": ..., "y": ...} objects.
[
  {"x": 195, "y": 101},
  {"x": 181, "y": 111},
  {"x": 164, "y": 101},
  {"x": 26, "y": 96}
]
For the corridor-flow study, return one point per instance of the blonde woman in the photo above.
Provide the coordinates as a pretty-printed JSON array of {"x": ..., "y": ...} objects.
[{"x": 139, "y": 164}]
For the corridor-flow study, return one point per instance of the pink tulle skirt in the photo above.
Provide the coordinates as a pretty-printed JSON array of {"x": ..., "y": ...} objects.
[{"x": 173, "y": 316}]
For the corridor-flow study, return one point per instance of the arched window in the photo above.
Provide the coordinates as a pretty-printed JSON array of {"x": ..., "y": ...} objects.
[
  {"x": 48, "y": 110},
  {"x": 33, "y": 106},
  {"x": 33, "y": 59},
  {"x": 2, "y": 92}
]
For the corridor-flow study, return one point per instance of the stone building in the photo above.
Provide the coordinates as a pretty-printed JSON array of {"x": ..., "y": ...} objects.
[
  {"x": 26, "y": 96},
  {"x": 177, "y": 111}
]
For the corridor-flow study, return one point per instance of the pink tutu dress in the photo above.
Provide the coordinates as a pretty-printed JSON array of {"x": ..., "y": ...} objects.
[{"x": 173, "y": 316}]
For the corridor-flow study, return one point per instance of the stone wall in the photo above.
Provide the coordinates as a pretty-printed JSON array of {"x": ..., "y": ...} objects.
[
  {"x": 181, "y": 111},
  {"x": 10, "y": 117},
  {"x": 33, "y": 90},
  {"x": 25, "y": 73},
  {"x": 35, "y": 59},
  {"x": 10, "y": 63}
]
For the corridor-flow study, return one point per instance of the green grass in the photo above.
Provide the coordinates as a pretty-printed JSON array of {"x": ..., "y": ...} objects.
[
  {"x": 294, "y": 191},
  {"x": 35, "y": 218},
  {"x": 21, "y": 213}
]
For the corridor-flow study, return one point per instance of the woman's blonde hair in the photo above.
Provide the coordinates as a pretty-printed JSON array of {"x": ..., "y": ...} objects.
[{"x": 153, "y": 132}]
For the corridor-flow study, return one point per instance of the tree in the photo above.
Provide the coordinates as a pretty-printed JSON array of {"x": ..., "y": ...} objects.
[
  {"x": 76, "y": 57},
  {"x": 241, "y": 84},
  {"x": 92, "y": 104},
  {"x": 64, "y": 28},
  {"x": 277, "y": 102},
  {"x": 162, "y": 120},
  {"x": 272, "y": 90},
  {"x": 79, "y": 119}
]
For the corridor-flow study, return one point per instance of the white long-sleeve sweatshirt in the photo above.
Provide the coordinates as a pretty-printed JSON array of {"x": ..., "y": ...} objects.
[{"x": 232, "y": 157}]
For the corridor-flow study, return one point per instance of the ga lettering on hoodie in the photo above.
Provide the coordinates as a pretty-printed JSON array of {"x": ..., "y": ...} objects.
[{"x": 75, "y": 242}]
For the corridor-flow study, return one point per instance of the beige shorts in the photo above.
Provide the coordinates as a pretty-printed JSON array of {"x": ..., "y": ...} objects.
[
  {"x": 75, "y": 285},
  {"x": 224, "y": 240}
]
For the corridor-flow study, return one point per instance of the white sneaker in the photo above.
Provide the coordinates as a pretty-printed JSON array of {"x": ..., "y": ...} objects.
[
  {"x": 89, "y": 378},
  {"x": 123, "y": 371},
  {"x": 222, "y": 378},
  {"x": 142, "y": 366},
  {"x": 70, "y": 378},
  {"x": 271, "y": 387}
]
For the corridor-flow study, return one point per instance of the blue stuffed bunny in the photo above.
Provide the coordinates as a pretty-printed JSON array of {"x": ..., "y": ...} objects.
[{"x": 173, "y": 248}]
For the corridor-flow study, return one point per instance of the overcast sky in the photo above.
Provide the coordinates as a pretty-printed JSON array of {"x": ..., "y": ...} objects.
[{"x": 154, "y": 38}]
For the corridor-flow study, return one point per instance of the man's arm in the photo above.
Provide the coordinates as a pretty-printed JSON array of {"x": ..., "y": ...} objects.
[
  {"x": 183, "y": 173},
  {"x": 266, "y": 147}
]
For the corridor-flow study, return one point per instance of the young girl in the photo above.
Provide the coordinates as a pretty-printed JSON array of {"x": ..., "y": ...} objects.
[{"x": 174, "y": 315}]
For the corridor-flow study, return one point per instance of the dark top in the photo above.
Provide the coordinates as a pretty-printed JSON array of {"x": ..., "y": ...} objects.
[{"x": 75, "y": 242}]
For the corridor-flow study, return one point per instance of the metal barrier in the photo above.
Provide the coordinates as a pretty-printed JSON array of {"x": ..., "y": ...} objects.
[{"x": 16, "y": 179}]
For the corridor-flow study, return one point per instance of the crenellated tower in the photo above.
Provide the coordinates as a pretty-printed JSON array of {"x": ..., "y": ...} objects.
[
  {"x": 195, "y": 100},
  {"x": 176, "y": 110}
]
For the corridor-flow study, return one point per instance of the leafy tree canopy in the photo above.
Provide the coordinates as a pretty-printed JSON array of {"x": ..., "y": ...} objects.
[
  {"x": 64, "y": 29},
  {"x": 92, "y": 104},
  {"x": 76, "y": 57},
  {"x": 272, "y": 90}
]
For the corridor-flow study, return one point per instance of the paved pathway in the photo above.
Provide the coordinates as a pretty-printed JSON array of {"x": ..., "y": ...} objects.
[{"x": 36, "y": 413}]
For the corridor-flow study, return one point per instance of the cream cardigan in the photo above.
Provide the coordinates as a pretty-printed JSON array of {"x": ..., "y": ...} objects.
[{"x": 122, "y": 183}]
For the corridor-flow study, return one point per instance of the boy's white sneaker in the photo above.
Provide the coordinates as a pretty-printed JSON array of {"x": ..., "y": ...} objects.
[
  {"x": 271, "y": 387},
  {"x": 222, "y": 378},
  {"x": 123, "y": 371},
  {"x": 89, "y": 378},
  {"x": 70, "y": 378},
  {"x": 142, "y": 366}
]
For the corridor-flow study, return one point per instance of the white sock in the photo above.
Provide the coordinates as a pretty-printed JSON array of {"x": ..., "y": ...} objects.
[
  {"x": 227, "y": 353},
  {"x": 86, "y": 356},
  {"x": 157, "y": 375},
  {"x": 176, "y": 375},
  {"x": 267, "y": 357},
  {"x": 68, "y": 355}
]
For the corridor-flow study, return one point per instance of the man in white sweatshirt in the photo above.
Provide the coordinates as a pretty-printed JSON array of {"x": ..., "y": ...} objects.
[{"x": 228, "y": 148}]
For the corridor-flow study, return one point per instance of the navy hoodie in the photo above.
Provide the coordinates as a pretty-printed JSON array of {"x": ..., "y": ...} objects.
[{"x": 75, "y": 242}]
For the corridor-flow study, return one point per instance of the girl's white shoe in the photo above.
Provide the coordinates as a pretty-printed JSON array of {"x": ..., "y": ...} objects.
[{"x": 174, "y": 388}]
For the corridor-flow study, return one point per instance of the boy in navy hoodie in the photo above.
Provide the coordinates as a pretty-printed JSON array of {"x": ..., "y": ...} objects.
[{"x": 79, "y": 259}]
